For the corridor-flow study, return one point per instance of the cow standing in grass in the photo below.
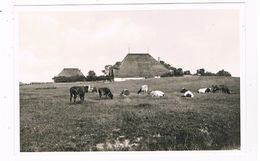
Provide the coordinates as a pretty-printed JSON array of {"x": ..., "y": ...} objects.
[
  {"x": 143, "y": 89},
  {"x": 105, "y": 92},
  {"x": 78, "y": 91}
]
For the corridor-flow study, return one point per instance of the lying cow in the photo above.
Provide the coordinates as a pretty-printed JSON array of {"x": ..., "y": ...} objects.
[
  {"x": 105, "y": 92},
  {"x": 156, "y": 93},
  {"x": 186, "y": 93},
  {"x": 143, "y": 89},
  {"x": 125, "y": 92},
  {"x": 222, "y": 88},
  {"x": 78, "y": 91},
  {"x": 204, "y": 90}
]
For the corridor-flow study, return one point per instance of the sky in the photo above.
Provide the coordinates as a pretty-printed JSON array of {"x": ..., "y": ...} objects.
[{"x": 190, "y": 39}]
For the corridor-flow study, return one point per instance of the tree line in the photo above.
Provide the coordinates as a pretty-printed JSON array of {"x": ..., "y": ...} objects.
[
  {"x": 90, "y": 77},
  {"x": 173, "y": 71}
]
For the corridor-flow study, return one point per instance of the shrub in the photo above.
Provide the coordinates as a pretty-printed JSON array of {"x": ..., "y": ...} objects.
[
  {"x": 187, "y": 72},
  {"x": 174, "y": 72},
  {"x": 209, "y": 74},
  {"x": 200, "y": 72},
  {"x": 99, "y": 78},
  {"x": 69, "y": 79},
  {"x": 223, "y": 73},
  {"x": 169, "y": 74},
  {"x": 178, "y": 72}
]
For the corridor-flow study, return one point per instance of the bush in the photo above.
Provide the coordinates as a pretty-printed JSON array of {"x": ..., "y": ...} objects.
[
  {"x": 187, "y": 72},
  {"x": 174, "y": 72},
  {"x": 99, "y": 78},
  {"x": 178, "y": 72},
  {"x": 200, "y": 72},
  {"x": 209, "y": 74},
  {"x": 223, "y": 73},
  {"x": 69, "y": 79},
  {"x": 169, "y": 74}
]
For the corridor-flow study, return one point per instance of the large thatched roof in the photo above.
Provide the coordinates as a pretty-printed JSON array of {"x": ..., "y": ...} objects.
[
  {"x": 70, "y": 72},
  {"x": 139, "y": 65}
]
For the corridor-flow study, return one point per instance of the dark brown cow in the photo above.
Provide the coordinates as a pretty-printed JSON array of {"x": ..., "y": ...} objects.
[
  {"x": 105, "y": 92},
  {"x": 222, "y": 88},
  {"x": 78, "y": 91}
]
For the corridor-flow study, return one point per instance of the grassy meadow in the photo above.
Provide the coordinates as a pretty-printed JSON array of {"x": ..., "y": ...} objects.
[{"x": 49, "y": 122}]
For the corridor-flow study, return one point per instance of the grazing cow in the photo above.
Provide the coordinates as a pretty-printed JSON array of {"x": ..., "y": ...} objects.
[
  {"x": 105, "y": 92},
  {"x": 143, "y": 89},
  {"x": 78, "y": 90},
  {"x": 125, "y": 92},
  {"x": 222, "y": 88},
  {"x": 156, "y": 93},
  {"x": 204, "y": 90},
  {"x": 188, "y": 94}
]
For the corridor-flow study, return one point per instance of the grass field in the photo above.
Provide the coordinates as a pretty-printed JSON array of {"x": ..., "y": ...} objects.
[{"x": 48, "y": 122}]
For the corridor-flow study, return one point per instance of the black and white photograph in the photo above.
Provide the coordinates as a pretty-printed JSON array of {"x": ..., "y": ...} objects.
[
  {"x": 110, "y": 80},
  {"x": 129, "y": 80}
]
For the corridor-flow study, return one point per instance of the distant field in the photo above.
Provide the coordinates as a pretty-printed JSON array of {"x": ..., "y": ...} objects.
[{"x": 48, "y": 122}]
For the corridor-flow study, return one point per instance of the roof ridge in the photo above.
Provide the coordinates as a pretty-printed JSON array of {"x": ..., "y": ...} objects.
[{"x": 138, "y": 54}]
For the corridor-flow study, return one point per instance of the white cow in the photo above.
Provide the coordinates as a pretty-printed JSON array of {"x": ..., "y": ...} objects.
[
  {"x": 204, "y": 90},
  {"x": 156, "y": 93},
  {"x": 188, "y": 94},
  {"x": 144, "y": 89}
]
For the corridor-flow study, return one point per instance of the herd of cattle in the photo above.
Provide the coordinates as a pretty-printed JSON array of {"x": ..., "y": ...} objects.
[{"x": 80, "y": 91}]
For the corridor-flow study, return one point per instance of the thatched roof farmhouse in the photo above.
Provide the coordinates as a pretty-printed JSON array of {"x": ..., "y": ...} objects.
[
  {"x": 70, "y": 72},
  {"x": 69, "y": 75},
  {"x": 138, "y": 66}
]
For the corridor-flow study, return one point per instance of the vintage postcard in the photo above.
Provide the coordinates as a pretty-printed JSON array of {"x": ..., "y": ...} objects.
[
  {"x": 141, "y": 78},
  {"x": 129, "y": 80}
]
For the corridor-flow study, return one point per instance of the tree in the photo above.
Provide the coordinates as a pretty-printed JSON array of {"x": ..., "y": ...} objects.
[
  {"x": 187, "y": 72},
  {"x": 91, "y": 73},
  {"x": 178, "y": 72},
  {"x": 200, "y": 72},
  {"x": 91, "y": 76},
  {"x": 223, "y": 73},
  {"x": 69, "y": 79},
  {"x": 108, "y": 71},
  {"x": 209, "y": 74}
]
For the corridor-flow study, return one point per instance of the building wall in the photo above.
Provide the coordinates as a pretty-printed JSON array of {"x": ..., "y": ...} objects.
[{"x": 124, "y": 79}]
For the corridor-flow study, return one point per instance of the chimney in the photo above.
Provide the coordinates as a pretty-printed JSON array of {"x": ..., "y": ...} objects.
[{"x": 159, "y": 59}]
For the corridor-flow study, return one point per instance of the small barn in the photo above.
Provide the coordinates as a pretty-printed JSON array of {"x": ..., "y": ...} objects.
[
  {"x": 69, "y": 75},
  {"x": 69, "y": 72},
  {"x": 138, "y": 66}
]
